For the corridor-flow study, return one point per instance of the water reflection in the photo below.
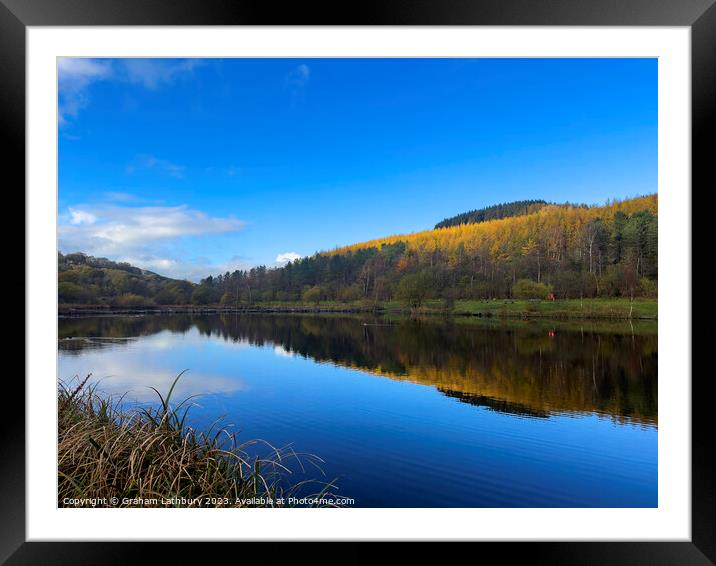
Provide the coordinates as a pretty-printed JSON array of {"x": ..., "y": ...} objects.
[
  {"x": 526, "y": 369},
  {"x": 144, "y": 363}
]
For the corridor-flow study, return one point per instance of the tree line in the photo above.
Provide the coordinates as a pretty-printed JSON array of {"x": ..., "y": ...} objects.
[
  {"x": 565, "y": 251},
  {"x": 494, "y": 212},
  {"x": 561, "y": 251}
]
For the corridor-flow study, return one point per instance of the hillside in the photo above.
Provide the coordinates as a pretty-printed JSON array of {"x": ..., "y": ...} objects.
[
  {"x": 563, "y": 250},
  {"x": 91, "y": 280}
]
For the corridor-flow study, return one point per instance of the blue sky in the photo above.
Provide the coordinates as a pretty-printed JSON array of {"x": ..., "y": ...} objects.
[{"x": 195, "y": 167}]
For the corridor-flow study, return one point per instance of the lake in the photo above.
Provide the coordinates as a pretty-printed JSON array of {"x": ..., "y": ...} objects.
[{"x": 431, "y": 412}]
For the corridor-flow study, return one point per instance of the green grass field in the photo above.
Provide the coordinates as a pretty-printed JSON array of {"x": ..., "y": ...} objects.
[
  {"x": 615, "y": 308},
  {"x": 565, "y": 308}
]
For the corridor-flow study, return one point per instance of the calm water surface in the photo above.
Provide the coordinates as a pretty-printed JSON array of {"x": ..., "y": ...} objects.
[{"x": 406, "y": 413}]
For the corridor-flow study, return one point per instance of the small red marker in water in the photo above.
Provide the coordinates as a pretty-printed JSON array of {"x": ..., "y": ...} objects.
[{"x": 551, "y": 333}]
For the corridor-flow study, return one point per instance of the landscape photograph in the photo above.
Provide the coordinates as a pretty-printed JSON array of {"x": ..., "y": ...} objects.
[{"x": 357, "y": 283}]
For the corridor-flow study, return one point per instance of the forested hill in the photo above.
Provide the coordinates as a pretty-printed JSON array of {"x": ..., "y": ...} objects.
[
  {"x": 562, "y": 250},
  {"x": 569, "y": 251},
  {"x": 93, "y": 280},
  {"x": 494, "y": 212}
]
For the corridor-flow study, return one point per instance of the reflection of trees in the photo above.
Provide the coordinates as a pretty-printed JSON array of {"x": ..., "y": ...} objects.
[
  {"x": 499, "y": 405},
  {"x": 122, "y": 326},
  {"x": 78, "y": 345},
  {"x": 517, "y": 370}
]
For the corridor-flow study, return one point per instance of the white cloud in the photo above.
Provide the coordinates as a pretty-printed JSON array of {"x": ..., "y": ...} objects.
[
  {"x": 286, "y": 257},
  {"x": 81, "y": 217},
  {"x": 160, "y": 263},
  {"x": 156, "y": 164},
  {"x": 76, "y": 69},
  {"x": 131, "y": 225},
  {"x": 283, "y": 352},
  {"x": 145, "y": 236}
]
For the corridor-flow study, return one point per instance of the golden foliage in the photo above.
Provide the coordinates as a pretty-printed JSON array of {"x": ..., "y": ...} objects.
[{"x": 554, "y": 227}]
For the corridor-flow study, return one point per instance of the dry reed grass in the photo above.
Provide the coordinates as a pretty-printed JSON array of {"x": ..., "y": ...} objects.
[{"x": 150, "y": 457}]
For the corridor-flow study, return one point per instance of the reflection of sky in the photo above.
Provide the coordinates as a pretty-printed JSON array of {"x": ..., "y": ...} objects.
[
  {"x": 154, "y": 361},
  {"x": 389, "y": 443}
]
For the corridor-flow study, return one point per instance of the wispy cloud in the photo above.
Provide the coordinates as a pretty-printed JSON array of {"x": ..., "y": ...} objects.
[
  {"x": 230, "y": 171},
  {"x": 81, "y": 217},
  {"x": 297, "y": 80},
  {"x": 286, "y": 257},
  {"x": 299, "y": 76},
  {"x": 124, "y": 197},
  {"x": 118, "y": 196},
  {"x": 153, "y": 73},
  {"x": 76, "y": 75},
  {"x": 160, "y": 165},
  {"x": 150, "y": 363},
  {"x": 144, "y": 236}
]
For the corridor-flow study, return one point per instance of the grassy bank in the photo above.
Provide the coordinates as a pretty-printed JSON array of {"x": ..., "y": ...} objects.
[
  {"x": 112, "y": 457},
  {"x": 613, "y": 308},
  {"x": 565, "y": 308}
]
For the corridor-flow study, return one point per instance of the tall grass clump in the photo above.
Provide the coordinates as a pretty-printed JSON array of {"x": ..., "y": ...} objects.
[{"x": 111, "y": 456}]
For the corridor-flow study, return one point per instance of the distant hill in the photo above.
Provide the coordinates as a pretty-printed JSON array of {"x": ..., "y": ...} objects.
[
  {"x": 494, "y": 212},
  {"x": 97, "y": 280}
]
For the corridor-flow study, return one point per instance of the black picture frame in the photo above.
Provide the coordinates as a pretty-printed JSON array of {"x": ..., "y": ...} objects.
[{"x": 699, "y": 15}]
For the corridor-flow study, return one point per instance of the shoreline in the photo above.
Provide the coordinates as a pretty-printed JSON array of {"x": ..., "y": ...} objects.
[
  {"x": 565, "y": 309},
  {"x": 153, "y": 459}
]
